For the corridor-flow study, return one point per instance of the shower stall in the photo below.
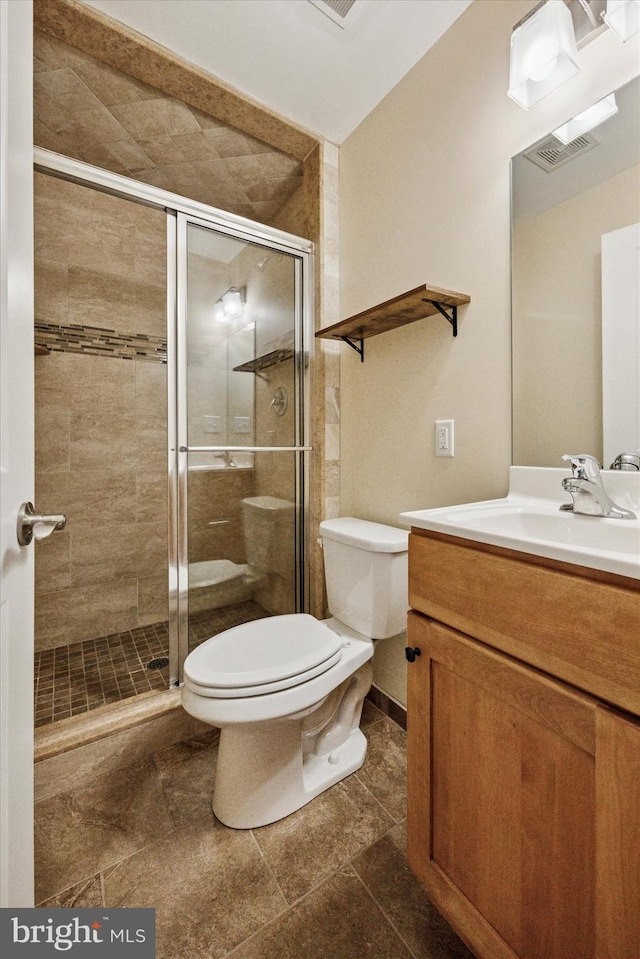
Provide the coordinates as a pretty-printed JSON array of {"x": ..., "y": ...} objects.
[{"x": 172, "y": 345}]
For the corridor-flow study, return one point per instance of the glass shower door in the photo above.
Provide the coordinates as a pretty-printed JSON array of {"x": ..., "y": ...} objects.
[{"x": 241, "y": 431}]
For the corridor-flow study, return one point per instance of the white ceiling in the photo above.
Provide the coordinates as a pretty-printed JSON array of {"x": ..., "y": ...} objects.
[{"x": 292, "y": 58}]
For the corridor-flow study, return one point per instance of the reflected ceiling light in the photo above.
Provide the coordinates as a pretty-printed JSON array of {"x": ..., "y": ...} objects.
[
  {"x": 219, "y": 316},
  {"x": 592, "y": 117},
  {"x": 228, "y": 307},
  {"x": 544, "y": 53},
  {"x": 623, "y": 16},
  {"x": 261, "y": 264},
  {"x": 232, "y": 302}
]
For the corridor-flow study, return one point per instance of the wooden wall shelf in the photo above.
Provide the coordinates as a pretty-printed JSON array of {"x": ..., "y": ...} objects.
[
  {"x": 264, "y": 362},
  {"x": 415, "y": 305}
]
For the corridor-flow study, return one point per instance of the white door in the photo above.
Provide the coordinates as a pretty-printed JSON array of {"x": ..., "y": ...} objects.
[
  {"x": 16, "y": 453},
  {"x": 621, "y": 341}
]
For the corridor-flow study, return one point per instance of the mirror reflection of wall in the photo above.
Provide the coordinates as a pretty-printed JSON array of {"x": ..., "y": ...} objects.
[
  {"x": 240, "y": 386},
  {"x": 560, "y": 212}
]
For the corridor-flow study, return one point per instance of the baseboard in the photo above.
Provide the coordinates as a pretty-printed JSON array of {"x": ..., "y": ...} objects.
[{"x": 388, "y": 706}]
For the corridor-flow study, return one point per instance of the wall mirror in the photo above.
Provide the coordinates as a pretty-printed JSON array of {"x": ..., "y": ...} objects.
[{"x": 575, "y": 292}]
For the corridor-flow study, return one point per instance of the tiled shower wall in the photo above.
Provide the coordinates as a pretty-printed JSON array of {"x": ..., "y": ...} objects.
[{"x": 100, "y": 413}]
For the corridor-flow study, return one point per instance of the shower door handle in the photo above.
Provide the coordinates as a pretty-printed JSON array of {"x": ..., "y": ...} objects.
[{"x": 28, "y": 520}]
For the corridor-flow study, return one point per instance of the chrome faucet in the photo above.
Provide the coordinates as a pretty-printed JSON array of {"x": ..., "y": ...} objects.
[{"x": 587, "y": 491}]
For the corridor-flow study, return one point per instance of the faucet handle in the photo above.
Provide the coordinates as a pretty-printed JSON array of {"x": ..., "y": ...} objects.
[
  {"x": 583, "y": 465},
  {"x": 626, "y": 461}
]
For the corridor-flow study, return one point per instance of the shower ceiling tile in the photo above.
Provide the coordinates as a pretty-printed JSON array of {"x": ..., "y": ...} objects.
[
  {"x": 163, "y": 149},
  {"x": 155, "y": 118},
  {"x": 108, "y": 84},
  {"x": 276, "y": 165},
  {"x": 197, "y": 146},
  {"x": 57, "y": 83},
  {"x": 133, "y": 156},
  {"x": 93, "y": 112}
]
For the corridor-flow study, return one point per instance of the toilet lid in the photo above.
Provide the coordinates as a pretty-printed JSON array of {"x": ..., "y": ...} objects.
[{"x": 262, "y": 656}]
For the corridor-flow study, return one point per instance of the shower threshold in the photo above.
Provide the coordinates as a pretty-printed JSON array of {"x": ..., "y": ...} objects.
[{"x": 77, "y": 678}]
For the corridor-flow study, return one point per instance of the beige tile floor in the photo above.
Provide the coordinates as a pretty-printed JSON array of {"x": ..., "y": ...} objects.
[{"x": 329, "y": 882}]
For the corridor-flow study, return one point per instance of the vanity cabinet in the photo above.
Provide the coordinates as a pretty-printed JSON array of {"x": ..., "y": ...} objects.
[{"x": 524, "y": 770}]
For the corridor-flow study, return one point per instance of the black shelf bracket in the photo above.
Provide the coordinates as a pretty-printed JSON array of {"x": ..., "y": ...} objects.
[
  {"x": 452, "y": 318},
  {"x": 354, "y": 346}
]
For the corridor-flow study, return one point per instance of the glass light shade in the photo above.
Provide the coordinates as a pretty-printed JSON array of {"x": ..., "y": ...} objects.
[
  {"x": 219, "y": 315},
  {"x": 592, "y": 117},
  {"x": 544, "y": 54},
  {"x": 232, "y": 303},
  {"x": 623, "y": 16}
]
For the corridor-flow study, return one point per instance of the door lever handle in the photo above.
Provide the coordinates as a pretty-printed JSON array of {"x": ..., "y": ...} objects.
[{"x": 28, "y": 519}]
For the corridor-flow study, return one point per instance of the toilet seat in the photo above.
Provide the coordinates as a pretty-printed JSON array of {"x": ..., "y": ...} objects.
[{"x": 262, "y": 656}]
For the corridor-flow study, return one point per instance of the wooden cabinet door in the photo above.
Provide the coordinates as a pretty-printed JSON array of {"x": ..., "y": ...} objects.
[
  {"x": 618, "y": 836},
  {"x": 501, "y": 798}
]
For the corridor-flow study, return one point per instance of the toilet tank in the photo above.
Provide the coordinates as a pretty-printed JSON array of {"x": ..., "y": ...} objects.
[
  {"x": 268, "y": 533},
  {"x": 366, "y": 572}
]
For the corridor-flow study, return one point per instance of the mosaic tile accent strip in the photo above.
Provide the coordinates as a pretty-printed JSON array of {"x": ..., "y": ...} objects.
[
  {"x": 74, "y": 679},
  {"x": 99, "y": 341}
]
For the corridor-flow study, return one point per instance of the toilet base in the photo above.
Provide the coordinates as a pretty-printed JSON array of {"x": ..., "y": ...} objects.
[
  {"x": 266, "y": 796},
  {"x": 266, "y": 771}
]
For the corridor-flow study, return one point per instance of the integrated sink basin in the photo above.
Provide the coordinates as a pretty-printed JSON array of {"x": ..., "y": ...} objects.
[{"x": 529, "y": 520}]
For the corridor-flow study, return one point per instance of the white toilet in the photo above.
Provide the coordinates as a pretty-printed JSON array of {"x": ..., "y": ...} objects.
[{"x": 287, "y": 691}]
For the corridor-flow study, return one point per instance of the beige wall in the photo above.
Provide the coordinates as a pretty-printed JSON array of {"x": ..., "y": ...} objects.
[
  {"x": 424, "y": 198},
  {"x": 559, "y": 250}
]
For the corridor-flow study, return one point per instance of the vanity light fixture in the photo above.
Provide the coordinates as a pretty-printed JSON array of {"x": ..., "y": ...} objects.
[
  {"x": 592, "y": 117},
  {"x": 544, "y": 53},
  {"x": 228, "y": 307},
  {"x": 623, "y": 16}
]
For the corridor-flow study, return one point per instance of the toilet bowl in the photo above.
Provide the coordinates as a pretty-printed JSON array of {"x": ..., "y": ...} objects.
[{"x": 287, "y": 691}]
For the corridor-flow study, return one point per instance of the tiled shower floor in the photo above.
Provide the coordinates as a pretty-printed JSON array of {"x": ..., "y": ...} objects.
[{"x": 74, "y": 679}]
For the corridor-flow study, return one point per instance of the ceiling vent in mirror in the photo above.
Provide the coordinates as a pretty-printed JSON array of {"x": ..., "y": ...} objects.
[
  {"x": 337, "y": 10},
  {"x": 550, "y": 154}
]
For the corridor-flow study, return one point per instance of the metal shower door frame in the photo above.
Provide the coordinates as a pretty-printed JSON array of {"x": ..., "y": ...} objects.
[{"x": 302, "y": 253}]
